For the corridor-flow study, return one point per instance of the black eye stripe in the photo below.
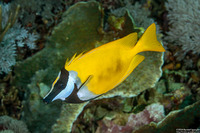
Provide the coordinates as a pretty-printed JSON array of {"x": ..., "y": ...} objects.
[
  {"x": 60, "y": 85},
  {"x": 64, "y": 75},
  {"x": 62, "y": 81}
]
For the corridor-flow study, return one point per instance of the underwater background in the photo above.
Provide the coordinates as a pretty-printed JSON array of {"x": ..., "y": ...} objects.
[{"x": 162, "y": 95}]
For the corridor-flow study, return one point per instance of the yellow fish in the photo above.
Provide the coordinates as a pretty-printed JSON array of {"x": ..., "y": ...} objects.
[{"x": 94, "y": 73}]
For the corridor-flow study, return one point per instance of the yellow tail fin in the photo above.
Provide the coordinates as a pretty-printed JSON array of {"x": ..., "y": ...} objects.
[{"x": 148, "y": 41}]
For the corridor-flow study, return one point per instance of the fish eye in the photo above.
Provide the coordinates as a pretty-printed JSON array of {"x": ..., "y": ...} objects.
[{"x": 61, "y": 86}]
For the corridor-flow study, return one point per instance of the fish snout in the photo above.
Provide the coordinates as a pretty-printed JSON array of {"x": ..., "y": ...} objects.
[{"x": 46, "y": 100}]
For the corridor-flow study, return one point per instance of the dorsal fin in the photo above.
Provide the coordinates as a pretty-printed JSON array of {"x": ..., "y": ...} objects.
[
  {"x": 74, "y": 58},
  {"x": 129, "y": 40}
]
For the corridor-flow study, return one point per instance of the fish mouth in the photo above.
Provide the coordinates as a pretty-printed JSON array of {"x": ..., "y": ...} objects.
[
  {"x": 49, "y": 98},
  {"x": 46, "y": 101}
]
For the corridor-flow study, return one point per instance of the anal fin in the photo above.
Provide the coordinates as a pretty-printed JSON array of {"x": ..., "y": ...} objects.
[{"x": 137, "y": 59}]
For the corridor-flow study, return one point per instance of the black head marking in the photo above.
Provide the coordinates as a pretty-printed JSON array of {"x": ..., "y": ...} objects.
[
  {"x": 62, "y": 81},
  {"x": 59, "y": 86}
]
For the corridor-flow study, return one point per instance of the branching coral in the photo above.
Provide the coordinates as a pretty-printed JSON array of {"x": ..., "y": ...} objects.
[
  {"x": 7, "y": 52},
  {"x": 19, "y": 36},
  {"x": 184, "y": 20},
  {"x": 46, "y": 10},
  {"x": 7, "y": 21},
  {"x": 10, "y": 102},
  {"x": 12, "y": 35}
]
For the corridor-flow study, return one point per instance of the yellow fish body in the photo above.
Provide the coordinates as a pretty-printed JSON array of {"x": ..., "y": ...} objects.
[{"x": 94, "y": 73}]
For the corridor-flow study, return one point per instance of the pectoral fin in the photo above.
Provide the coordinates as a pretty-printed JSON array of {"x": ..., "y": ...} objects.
[
  {"x": 87, "y": 80},
  {"x": 137, "y": 59}
]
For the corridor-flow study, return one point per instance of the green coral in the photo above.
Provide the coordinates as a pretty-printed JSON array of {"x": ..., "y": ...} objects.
[{"x": 37, "y": 115}]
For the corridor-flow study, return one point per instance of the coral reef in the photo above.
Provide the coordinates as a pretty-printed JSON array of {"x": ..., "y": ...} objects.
[
  {"x": 113, "y": 113},
  {"x": 152, "y": 113},
  {"x": 184, "y": 25},
  {"x": 178, "y": 119},
  {"x": 139, "y": 104},
  {"x": 76, "y": 34},
  {"x": 134, "y": 84},
  {"x": 10, "y": 125}
]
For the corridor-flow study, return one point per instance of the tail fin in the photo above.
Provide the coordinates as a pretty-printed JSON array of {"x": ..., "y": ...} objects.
[{"x": 148, "y": 41}]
